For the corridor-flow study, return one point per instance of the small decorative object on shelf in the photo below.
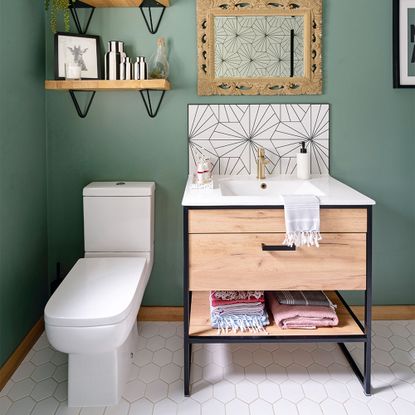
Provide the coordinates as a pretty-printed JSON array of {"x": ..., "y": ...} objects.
[
  {"x": 82, "y": 50},
  {"x": 159, "y": 65},
  {"x": 203, "y": 177},
  {"x": 113, "y": 60},
  {"x": 140, "y": 68},
  {"x": 126, "y": 69},
  {"x": 55, "y": 6}
]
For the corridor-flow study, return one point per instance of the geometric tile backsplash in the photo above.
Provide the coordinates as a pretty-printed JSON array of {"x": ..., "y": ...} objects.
[{"x": 230, "y": 136}]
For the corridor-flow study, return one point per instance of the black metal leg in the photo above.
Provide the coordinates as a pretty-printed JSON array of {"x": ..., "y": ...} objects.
[
  {"x": 187, "y": 362},
  {"x": 75, "y": 16},
  {"x": 149, "y": 22},
  {"x": 368, "y": 306},
  {"x": 147, "y": 102},
  {"x": 81, "y": 113}
]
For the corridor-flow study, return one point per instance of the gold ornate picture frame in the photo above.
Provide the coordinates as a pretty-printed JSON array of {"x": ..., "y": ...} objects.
[{"x": 259, "y": 47}]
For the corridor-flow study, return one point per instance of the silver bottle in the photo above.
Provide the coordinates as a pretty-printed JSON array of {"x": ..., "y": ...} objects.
[
  {"x": 126, "y": 69},
  {"x": 120, "y": 48},
  {"x": 112, "y": 61},
  {"x": 140, "y": 68}
]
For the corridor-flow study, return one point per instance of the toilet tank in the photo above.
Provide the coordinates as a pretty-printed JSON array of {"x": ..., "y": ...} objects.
[{"x": 119, "y": 217}]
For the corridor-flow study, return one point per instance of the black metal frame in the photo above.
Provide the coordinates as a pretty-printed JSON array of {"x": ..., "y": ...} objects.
[
  {"x": 364, "y": 377},
  {"x": 84, "y": 113},
  {"x": 149, "y": 22},
  {"x": 147, "y": 102},
  {"x": 145, "y": 95},
  {"x": 75, "y": 16},
  {"x": 396, "y": 48}
]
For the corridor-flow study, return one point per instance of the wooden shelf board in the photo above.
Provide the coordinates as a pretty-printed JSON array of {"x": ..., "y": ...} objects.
[
  {"x": 200, "y": 321},
  {"x": 121, "y": 3},
  {"x": 102, "y": 85}
]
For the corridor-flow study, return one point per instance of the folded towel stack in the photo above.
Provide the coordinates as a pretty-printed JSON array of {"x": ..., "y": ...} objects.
[
  {"x": 238, "y": 310},
  {"x": 302, "y": 309}
]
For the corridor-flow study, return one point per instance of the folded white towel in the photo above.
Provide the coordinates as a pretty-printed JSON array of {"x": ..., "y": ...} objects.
[{"x": 302, "y": 220}]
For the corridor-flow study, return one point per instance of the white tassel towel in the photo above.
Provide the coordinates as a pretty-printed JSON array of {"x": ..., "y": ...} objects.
[{"x": 302, "y": 220}]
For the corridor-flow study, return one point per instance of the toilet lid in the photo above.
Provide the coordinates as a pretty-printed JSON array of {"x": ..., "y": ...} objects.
[{"x": 97, "y": 291}]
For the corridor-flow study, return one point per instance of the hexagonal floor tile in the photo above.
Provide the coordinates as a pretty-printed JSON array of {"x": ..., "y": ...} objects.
[
  {"x": 291, "y": 391},
  {"x": 149, "y": 373},
  {"x": 46, "y": 407},
  {"x": 23, "y": 371},
  {"x": 213, "y": 407},
  {"x": 170, "y": 373},
  {"x": 162, "y": 357},
  {"x": 246, "y": 391},
  {"x": 22, "y": 406},
  {"x": 237, "y": 407},
  {"x": 134, "y": 390},
  {"x": 43, "y": 372},
  {"x": 44, "y": 389},
  {"x": 269, "y": 391},
  {"x": 314, "y": 390},
  {"x": 156, "y": 390},
  {"x": 164, "y": 407},
  {"x": 21, "y": 389},
  {"x": 224, "y": 391}
]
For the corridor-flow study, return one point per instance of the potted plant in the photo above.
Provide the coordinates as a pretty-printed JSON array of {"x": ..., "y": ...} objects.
[{"x": 55, "y": 7}]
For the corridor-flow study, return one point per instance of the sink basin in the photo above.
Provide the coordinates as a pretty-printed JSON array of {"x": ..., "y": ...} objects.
[{"x": 267, "y": 187}]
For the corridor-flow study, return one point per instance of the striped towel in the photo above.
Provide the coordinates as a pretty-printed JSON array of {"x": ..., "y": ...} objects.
[
  {"x": 317, "y": 298},
  {"x": 302, "y": 220},
  {"x": 233, "y": 314}
]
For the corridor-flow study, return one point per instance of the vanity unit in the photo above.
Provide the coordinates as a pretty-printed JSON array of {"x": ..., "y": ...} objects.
[{"x": 233, "y": 238}]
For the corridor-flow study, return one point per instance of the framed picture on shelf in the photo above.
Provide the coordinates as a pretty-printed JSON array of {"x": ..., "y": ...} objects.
[
  {"x": 404, "y": 43},
  {"x": 81, "y": 50}
]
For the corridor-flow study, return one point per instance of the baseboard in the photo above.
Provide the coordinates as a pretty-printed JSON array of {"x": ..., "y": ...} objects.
[
  {"x": 379, "y": 312},
  {"x": 388, "y": 312},
  {"x": 160, "y": 313},
  {"x": 13, "y": 362}
]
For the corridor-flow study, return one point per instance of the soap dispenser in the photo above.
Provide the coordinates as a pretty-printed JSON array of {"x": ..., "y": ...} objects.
[{"x": 303, "y": 163}]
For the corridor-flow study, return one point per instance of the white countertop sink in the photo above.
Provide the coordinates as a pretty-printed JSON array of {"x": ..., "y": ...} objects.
[{"x": 249, "y": 191}]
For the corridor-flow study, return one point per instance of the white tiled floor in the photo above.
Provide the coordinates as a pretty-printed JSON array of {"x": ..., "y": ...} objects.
[{"x": 231, "y": 379}]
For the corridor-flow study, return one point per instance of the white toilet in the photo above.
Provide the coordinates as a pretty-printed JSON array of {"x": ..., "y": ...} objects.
[{"x": 92, "y": 315}]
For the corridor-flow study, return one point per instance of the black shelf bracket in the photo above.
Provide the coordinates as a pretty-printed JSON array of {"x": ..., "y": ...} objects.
[
  {"x": 145, "y": 95},
  {"x": 75, "y": 16},
  {"x": 150, "y": 21},
  {"x": 152, "y": 26},
  {"x": 82, "y": 114}
]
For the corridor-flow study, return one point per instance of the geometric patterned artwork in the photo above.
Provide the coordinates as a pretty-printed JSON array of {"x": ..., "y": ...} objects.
[
  {"x": 230, "y": 135},
  {"x": 259, "y": 46}
]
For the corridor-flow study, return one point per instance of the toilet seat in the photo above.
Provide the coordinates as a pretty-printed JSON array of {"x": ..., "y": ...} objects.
[{"x": 97, "y": 292}]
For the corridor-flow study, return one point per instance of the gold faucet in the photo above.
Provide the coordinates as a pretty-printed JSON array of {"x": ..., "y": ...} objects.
[{"x": 261, "y": 162}]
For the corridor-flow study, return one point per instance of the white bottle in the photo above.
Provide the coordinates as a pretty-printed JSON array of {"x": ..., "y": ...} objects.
[{"x": 303, "y": 163}]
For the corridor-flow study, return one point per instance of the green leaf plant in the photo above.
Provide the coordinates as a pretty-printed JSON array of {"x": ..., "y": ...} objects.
[{"x": 55, "y": 7}]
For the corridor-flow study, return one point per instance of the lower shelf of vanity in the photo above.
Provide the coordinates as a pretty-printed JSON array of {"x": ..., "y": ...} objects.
[{"x": 200, "y": 322}]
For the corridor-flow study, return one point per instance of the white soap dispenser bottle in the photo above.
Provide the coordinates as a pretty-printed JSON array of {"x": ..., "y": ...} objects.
[{"x": 303, "y": 163}]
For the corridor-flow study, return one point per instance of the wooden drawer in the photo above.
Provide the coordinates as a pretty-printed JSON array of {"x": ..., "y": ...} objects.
[
  {"x": 271, "y": 220},
  {"x": 237, "y": 262}
]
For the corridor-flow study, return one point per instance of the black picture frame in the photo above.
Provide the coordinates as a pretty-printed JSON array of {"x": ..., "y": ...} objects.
[
  {"x": 397, "y": 81},
  {"x": 95, "y": 59}
]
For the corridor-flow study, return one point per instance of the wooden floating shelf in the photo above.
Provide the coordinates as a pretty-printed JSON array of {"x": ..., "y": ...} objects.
[
  {"x": 124, "y": 3},
  {"x": 200, "y": 321},
  {"x": 102, "y": 85}
]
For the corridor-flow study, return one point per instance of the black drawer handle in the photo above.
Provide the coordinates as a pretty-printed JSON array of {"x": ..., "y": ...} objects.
[{"x": 278, "y": 247}]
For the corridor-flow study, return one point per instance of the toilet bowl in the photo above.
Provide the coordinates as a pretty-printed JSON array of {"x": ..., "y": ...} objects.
[{"x": 92, "y": 315}]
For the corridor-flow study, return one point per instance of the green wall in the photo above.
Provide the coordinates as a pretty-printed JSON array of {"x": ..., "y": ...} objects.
[
  {"x": 372, "y": 140},
  {"x": 23, "y": 247}
]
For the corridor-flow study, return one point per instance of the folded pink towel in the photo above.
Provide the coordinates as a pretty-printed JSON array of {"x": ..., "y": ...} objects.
[{"x": 301, "y": 317}]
